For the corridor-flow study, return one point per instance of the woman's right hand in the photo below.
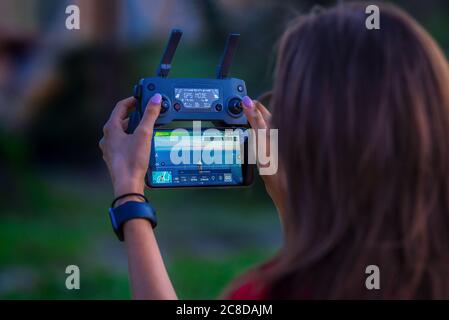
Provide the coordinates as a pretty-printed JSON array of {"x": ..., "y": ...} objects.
[{"x": 259, "y": 118}]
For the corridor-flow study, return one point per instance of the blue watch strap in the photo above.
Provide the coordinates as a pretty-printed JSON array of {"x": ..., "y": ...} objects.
[{"x": 131, "y": 210}]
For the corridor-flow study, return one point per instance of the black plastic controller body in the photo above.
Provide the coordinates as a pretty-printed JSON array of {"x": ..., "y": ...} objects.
[
  {"x": 194, "y": 99},
  {"x": 183, "y": 99}
]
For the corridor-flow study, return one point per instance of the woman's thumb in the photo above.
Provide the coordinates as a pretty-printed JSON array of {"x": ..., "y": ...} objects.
[{"x": 150, "y": 115}]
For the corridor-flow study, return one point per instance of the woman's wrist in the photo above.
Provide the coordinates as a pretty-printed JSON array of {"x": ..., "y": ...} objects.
[
  {"x": 129, "y": 198},
  {"x": 128, "y": 186}
]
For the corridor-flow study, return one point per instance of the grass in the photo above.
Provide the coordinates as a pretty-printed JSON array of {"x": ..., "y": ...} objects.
[
  {"x": 207, "y": 237},
  {"x": 200, "y": 278}
]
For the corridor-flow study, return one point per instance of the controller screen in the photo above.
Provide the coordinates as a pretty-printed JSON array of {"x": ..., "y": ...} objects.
[
  {"x": 208, "y": 159},
  {"x": 197, "y": 98}
]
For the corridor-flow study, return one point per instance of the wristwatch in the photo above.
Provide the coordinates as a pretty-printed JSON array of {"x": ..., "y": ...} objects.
[{"x": 131, "y": 210}]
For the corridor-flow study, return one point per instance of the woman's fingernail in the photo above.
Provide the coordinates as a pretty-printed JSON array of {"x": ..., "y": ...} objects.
[
  {"x": 247, "y": 102},
  {"x": 156, "y": 99}
]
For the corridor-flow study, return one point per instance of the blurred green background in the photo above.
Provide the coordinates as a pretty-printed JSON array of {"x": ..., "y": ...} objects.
[{"x": 57, "y": 88}]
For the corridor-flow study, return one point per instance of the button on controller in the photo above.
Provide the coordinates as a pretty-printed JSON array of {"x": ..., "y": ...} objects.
[
  {"x": 165, "y": 105},
  {"x": 235, "y": 107}
]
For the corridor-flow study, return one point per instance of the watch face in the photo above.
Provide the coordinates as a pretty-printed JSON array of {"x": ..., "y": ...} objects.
[
  {"x": 115, "y": 227},
  {"x": 131, "y": 210}
]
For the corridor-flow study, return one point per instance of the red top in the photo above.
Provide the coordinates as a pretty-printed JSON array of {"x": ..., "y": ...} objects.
[
  {"x": 247, "y": 291},
  {"x": 251, "y": 291},
  {"x": 249, "y": 288}
]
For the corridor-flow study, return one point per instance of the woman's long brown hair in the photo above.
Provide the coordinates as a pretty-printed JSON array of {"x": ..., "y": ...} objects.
[{"x": 363, "y": 119}]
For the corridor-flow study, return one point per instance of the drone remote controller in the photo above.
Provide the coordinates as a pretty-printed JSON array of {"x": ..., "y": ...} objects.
[{"x": 217, "y": 100}]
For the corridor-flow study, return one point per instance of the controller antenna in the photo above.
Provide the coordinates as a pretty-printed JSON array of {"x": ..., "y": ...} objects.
[
  {"x": 228, "y": 54},
  {"x": 169, "y": 52}
]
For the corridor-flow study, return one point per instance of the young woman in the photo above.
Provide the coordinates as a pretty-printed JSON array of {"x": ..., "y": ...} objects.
[{"x": 363, "y": 119}]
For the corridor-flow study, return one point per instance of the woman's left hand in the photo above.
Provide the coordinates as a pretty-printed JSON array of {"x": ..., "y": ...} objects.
[{"x": 127, "y": 155}]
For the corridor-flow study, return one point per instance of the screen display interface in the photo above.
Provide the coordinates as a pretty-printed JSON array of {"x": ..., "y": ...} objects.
[
  {"x": 183, "y": 158},
  {"x": 197, "y": 98}
]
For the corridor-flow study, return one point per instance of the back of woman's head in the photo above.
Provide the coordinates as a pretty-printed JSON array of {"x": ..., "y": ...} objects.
[{"x": 363, "y": 119}]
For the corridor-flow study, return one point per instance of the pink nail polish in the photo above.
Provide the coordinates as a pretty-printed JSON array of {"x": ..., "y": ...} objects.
[
  {"x": 247, "y": 102},
  {"x": 156, "y": 99}
]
